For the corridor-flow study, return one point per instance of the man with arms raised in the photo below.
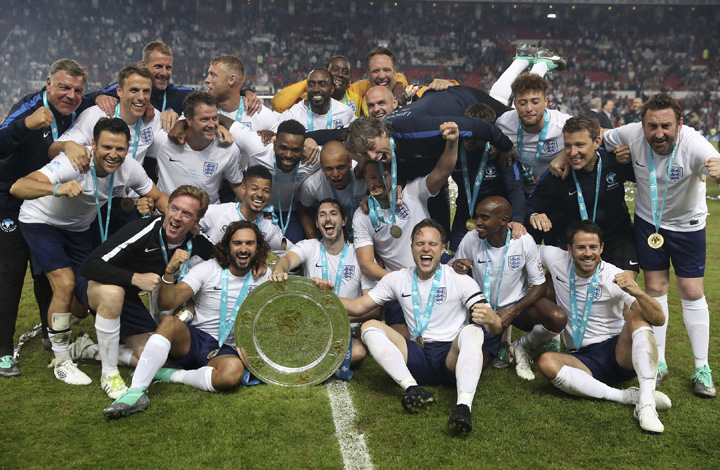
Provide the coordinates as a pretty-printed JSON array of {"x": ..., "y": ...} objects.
[
  {"x": 605, "y": 345},
  {"x": 444, "y": 347},
  {"x": 670, "y": 161},
  {"x": 204, "y": 352},
  {"x": 61, "y": 203},
  {"x": 319, "y": 110},
  {"x": 505, "y": 267}
]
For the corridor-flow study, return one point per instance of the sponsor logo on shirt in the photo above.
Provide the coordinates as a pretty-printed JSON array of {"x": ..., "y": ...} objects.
[
  {"x": 515, "y": 262},
  {"x": 146, "y": 135},
  {"x": 611, "y": 180},
  {"x": 209, "y": 168},
  {"x": 8, "y": 225},
  {"x": 490, "y": 171}
]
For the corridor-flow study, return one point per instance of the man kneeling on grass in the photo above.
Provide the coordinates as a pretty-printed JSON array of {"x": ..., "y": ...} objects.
[
  {"x": 204, "y": 350},
  {"x": 435, "y": 302}
]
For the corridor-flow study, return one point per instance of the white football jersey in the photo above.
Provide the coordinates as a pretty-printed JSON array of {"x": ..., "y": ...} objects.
[
  {"x": 340, "y": 115},
  {"x": 265, "y": 120}
]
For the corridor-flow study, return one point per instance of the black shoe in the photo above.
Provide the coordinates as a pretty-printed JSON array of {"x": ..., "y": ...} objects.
[
  {"x": 417, "y": 398},
  {"x": 460, "y": 420}
]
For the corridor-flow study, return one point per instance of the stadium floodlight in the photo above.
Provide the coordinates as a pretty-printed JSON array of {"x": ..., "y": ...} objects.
[{"x": 552, "y": 15}]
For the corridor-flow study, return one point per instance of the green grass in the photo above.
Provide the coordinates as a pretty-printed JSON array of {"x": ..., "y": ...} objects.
[{"x": 518, "y": 424}]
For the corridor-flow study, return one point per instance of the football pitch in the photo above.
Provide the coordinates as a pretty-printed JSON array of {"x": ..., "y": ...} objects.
[{"x": 517, "y": 424}]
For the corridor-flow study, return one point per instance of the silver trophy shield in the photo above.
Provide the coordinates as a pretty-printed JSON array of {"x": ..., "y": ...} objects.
[{"x": 291, "y": 334}]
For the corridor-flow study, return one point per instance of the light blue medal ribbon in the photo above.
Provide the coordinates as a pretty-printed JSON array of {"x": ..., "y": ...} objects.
[
  {"x": 579, "y": 324},
  {"x": 376, "y": 215},
  {"x": 581, "y": 199},
  {"x": 340, "y": 269},
  {"x": 227, "y": 322},
  {"x": 53, "y": 124},
  {"x": 284, "y": 224},
  {"x": 528, "y": 169},
  {"x": 652, "y": 177},
  {"x": 258, "y": 219},
  {"x": 103, "y": 231},
  {"x": 184, "y": 268},
  {"x": 241, "y": 110},
  {"x": 164, "y": 100},
  {"x": 310, "y": 120},
  {"x": 486, "y": 278},
  {"x": 422, "y": 321},
  {"x": 472, "y": 197},
  {"x": 138, "y": 128}
]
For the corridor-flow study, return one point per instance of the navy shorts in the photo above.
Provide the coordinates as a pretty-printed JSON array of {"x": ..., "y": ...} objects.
[
  {"x": 686, "y": 250},
  {"x": 621, "y": 251},
  {"x": 600, "y": 359},
  {"x": 201, "y": 344},
  {"x": 492, "y": 342},
  {"x": 427, "y": 365},
  {"x": 393, "y": 313},
  {"x": 135, "y": 319},
  {"x": 52, "y": 248}
]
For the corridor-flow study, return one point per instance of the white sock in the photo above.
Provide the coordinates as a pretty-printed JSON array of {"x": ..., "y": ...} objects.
[
  {"x": 151, "y": 360},
  {"x": 199, "y": 378},
  {"x": 59, "y": 335},
  {"x": 540, "y": 68},
  {"x": 535, "y": 337},
  {"x": 697, "y": 323},
  {"x": 501, "y": 90},
  {"x": 125, "y": 355},
  {"x": 388, "y": 356},
  {"x": 108, "y": 336},
  {"x": 644, "y": 359},
  {"x": 661, "y": 331},
  {"x": 578, "y": 382},
  {"x": 469, "y": 363}
]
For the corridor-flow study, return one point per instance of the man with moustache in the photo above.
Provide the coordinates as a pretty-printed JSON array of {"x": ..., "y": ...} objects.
[{"x": 319, "y": 110}]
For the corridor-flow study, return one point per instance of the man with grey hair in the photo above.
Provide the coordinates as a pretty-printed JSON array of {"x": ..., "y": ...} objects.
[{"x": 33, "y": 124}]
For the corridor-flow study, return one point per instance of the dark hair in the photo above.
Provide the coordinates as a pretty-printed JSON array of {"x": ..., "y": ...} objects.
[
  {"x": 338, "y": 57},
  {"x": 587, "y": 226},
  {"x": 133, "y": 70},
  {"x": 291, "y": 126},
  {"x": 257, "y": 171},
  {"x": 429, "y": 223},
  {"x": 112, "y": 125},
  {"x": 582, "y": 123},
  {"x": 194, "y": 192},
  {"x": 381, "y": 50},
  {"x": 482, "y": 111},
  {"x": 362, "y": 129},
  {"x": 334, "y": 202},
  {"x": 529, "y": 82},
  {"x": 222, "y": 248},
  {"x": 662, "y": 101},
  {"x": 195, "y": 99}
]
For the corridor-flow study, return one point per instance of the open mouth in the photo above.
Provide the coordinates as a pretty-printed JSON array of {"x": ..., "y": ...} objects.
[
  {"x": 243, "y": 258},
  {"x": 426, "y": 260},
  {"x": 112, "y": 161},
  {"x": 382, "y": 82},
  {"x": 340, "y": 82},
  {"x": 257, "y": 202},
  {"x": 329, "y": 229}
]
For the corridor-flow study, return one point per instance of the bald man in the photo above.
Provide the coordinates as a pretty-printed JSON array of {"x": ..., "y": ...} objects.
[
  {"x": 319, "y": 110},
  {"x": 336, "y": 180},
  {"x": 503, "y": 267},
  {"x": 380, "y": 102}
]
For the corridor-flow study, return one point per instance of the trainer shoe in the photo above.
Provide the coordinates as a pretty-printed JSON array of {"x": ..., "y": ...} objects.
[
  {"x": 648, "y": 419},
  {"x": 83, "y": 348},
  {"x": 525, "y": 52},
  {"x": 662, "y": 401},
  {"x": 704, "y": 387},
  {"x": 502, "y": 360},
  {"x": 8, "y": 367},
  {"x": 69, "y": 373},
  {"x": 553, "y": 345},
  {"x": 416, "y": 399},
  {"x": 522, "y": 361},
  {"x": 662, "y": 374},
  {"x": 132, "y": 401},
  {"x": 163, "y": 375},
  {"x": 553, "y": 60},
  {"x": 113, "y": 385},
  {"x": 460, "y": 420}
]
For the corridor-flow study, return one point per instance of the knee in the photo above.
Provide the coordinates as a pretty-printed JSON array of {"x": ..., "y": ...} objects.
[
  {"x": 548, "y": 365},
  {"x": 169, "y": 325},
  {"x": 63, "y": 284},
  {"x": 657, "y": 287},
  {"x": 557, "y": 319},
  {"x": 358, "y": 353},
  {"x": 371, "y": 324},
  {"x": 106, "y": 297},
  {"x": 228, "y": 376}
]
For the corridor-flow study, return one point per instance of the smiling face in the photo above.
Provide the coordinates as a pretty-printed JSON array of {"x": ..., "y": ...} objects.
[
  {"x": 64, "y": 92},
  {"x": 380, "y": 102},
  {"x": 581, "y": 149},
  {"x": 661, "y": 130},
  {"x": 339, "y": 68},
  {"x": 319, "y": 88},
  {"x": 257, "y": 193},
  {"x": 204, "y": 123},
  {"x": 585, "y": 251},
  {"x": 427, "y": 248},
  {"x": 288, "y": 151},
  {"x": 530, "y": 107},
  {"x": 336, "y": 166},
  {"x": 160, "y": 66},
  {"x": 330, "y": 222},
  {"x": 134, "y": 96},
  {"x": 243, "y": 247},
  {"x": 488, "y": 220},
  {"x": 109, "y": 152},
  {"x": 374, "y": 181},
  {"x": 381, "y": 71},
  {"x": 181, "y": 216},
  {"x": 218, "y": 81}
]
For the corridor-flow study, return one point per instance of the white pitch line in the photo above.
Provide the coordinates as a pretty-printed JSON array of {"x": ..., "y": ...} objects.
[{"x": 352, "y": 442}]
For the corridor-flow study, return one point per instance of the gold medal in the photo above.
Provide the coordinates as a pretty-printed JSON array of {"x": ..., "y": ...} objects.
[
  {"x": 127, "y": 203},
  {"x": 420, "y": 341},
  {"x": 656, "y": 240},
  {"x": 470, "y": 224},
  {"x": 395, "y": 231},
  {"x": 376, "y": 192},
  {"x": 213, "y": 353}
]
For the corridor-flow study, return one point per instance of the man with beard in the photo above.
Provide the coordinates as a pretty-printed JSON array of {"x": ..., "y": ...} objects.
[
  {"x": 319, "y": 110},
  {"x": 670, "y": 161},
  {"x": 60, "y": 204},
  {"x": 203, "y": 352},
  {"x": 256, "y": 189}
]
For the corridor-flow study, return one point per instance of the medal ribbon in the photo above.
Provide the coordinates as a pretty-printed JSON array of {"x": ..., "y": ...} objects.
[
  {"x": 284, "y": 224},
  {"x": 579, "y": 324},
  {"x": 340, "y": 269},
  {"x": 164, "y": 100},
  {"x": 528, "y": 172},
  {"x": 138, "y": 128},
  {"x": 226, "y": 323},
  {"x": 310, "y": 120},
  {"x": 258, "y": 219},
  {"x": 53, "y": 124},
  {"x": 486, "y": 278},
  {"x": 184, "y": 268},
  {"x": 581, "y": 199},
  {"x": 421, "y": 322},
  {"x": 478, "y": 178},
  {"x": 241, "y": 110},
  {"x": 652, "y": 177},
  {"x": 103, "y": 232}
]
